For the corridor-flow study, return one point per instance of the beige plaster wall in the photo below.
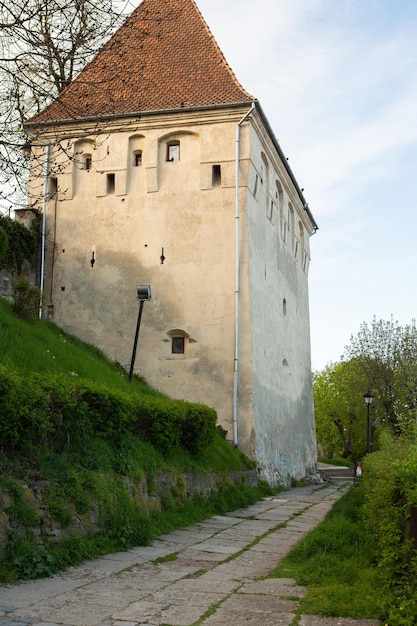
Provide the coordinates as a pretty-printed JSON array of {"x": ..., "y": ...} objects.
[
  {"x": 173, "y": 210},
  {"x": 279, "y": 320}
]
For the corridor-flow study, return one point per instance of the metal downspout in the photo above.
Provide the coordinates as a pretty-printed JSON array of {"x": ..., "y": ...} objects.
[
  {"x": 48, "y": 145},
  {"x": 45, "y": 191},
  {"x": 237, "y": 283}
]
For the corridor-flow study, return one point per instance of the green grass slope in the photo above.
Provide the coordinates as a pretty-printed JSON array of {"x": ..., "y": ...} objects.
[{"x": 71, "y": 421}]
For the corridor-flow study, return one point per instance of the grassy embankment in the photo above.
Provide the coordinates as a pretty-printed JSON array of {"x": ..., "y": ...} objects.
[{"x": 88, "y": 463}]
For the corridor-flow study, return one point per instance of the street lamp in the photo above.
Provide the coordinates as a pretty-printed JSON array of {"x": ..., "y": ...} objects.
[
  {"x": 143, "y": 294},
  {"x": 368, "y": 399}
]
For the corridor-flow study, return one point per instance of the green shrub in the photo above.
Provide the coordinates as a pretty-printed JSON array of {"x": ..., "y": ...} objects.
[
  {"x": 390, "y": 484},
  {"x": 28, "y": 558},
  {"x": 198, "y": 428},
  {"x": 160, "y": 421},
  {"x": 23, "y": 243},
  {"x": 26, "y": 300}
]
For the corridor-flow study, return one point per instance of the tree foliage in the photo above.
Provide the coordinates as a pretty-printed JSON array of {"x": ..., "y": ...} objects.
[
  {"x": 382, "y": 357},
  {"x": 23, "y": 244},
  {"x": 386, "y": 356},
  {"x": 43, "y": 45},
  {"x": 339, "y": 409}
]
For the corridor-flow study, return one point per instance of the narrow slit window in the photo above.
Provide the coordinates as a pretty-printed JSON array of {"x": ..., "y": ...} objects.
[
  {"x": 271, "y": 211},
  {"x": 284, "y": 230},
  {"x": 137, "y": 158},
  {"x": 178, "y": 345},
  {"x": 173, "y": 151},
  {"x": 216, "y": 176},
  {"x": 88, "y": 162},
  {"x": 111, "y": 183}
]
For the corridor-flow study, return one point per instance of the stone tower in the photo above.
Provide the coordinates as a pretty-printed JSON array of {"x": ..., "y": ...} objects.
[{"x": 162, "y": 170}]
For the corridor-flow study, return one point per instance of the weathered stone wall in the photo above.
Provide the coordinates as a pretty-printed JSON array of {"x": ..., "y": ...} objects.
[{"x": 148, "y": 494}]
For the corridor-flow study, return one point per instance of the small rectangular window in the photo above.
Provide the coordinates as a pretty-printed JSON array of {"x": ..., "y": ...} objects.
[
  {"x": 111, "y": 183},
  {"x": 53, "y": 186},
  {"x": 216, "y": 176},
  {"x": 88, "y": 162},
  {"x": 137, "y": 159},
  {"x": 178, "y": 345},
  {"x": 173, "y": 151}
]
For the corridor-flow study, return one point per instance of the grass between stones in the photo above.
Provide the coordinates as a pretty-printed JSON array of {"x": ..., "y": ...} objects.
[{"x": 337, "y": 563}]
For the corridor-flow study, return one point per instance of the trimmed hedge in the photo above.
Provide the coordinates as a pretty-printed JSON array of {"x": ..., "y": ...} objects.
[{"x": 53, "y": 409}]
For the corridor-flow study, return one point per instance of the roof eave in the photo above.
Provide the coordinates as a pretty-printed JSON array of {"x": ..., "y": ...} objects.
[
  {"x": 134, "y": 114},
  {"x": 287, "y": 166}
]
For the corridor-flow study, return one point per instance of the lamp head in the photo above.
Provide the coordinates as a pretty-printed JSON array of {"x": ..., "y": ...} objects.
[
  {"x": 368, "y": 397},
  {"x": 144, "y": 292}
]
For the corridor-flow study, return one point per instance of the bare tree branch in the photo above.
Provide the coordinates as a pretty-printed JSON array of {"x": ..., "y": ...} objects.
[{"x": 44, "y": 44}]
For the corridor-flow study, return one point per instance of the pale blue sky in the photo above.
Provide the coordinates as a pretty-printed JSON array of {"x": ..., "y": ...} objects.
[{"x": 337, "y": 80}]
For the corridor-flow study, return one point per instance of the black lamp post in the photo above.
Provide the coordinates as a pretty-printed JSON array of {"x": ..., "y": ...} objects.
[
  {"x": 368, "y": 399},
  {"x": 144, "y": 293}
]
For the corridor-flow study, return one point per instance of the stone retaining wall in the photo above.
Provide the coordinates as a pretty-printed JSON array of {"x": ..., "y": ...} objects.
[{"x": 149, "y": 493}]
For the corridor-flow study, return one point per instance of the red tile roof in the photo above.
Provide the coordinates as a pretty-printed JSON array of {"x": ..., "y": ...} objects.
[{"x": 163, "y": 57}]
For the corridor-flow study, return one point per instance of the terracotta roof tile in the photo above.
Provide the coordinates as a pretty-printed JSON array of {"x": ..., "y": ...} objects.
[{"x": 163, "y": 57}]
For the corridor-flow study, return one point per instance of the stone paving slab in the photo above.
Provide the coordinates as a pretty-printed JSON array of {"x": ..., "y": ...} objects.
[{"x": 215, "y": 579}]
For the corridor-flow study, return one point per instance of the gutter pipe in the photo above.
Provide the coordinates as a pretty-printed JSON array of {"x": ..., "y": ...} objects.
[
  {"x": 237, "y": 278},
  {"x": 45, "y": 191},
  {"x": 43, "y": 235}
]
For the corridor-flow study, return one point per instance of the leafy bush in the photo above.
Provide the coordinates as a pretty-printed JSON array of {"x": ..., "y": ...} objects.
[
  {"x": 23, "y": 244},
  {"x": 199, "y": 427},
  {"x": 26, "y": 300},
  {"x": 160, "y": 421},
  {"x": 390, "y": 484}
]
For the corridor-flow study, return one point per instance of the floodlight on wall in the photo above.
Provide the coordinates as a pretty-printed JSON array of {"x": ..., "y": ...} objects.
[{"x": 143, "y": 294}]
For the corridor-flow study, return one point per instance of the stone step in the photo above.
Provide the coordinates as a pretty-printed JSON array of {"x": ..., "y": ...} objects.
[{"x": 336, "y": 473}]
